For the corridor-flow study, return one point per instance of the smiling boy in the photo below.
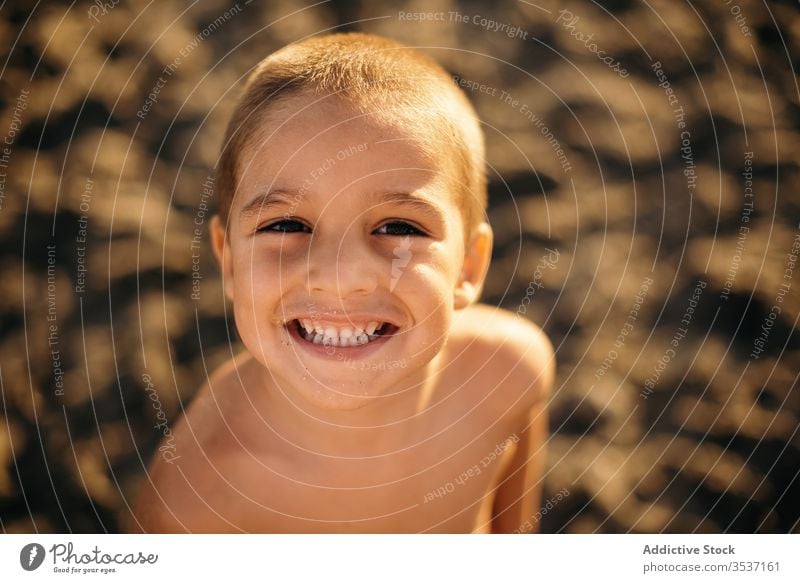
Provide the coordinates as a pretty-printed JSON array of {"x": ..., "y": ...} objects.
[{"x": 375, "y": 394}]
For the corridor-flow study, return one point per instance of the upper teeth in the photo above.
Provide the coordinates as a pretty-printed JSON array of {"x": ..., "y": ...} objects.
[{"x": 328, "y": 334}]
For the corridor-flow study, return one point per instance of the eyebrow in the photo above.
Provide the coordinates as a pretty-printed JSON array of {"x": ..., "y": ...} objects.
[
  {"x": 277, "y": 197},
  {"x": 281, "y": 197}
]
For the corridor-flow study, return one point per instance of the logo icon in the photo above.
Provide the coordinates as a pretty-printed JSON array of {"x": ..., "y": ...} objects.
[
  {"x": 31, "y": 556},
  {"x": 401, "y": 255}
]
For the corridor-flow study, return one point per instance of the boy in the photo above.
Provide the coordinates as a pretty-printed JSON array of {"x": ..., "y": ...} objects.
[{"x": 374, "y": 394}]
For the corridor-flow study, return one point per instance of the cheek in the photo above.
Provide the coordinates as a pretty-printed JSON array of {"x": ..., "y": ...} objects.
[
  {"x": 435, "y": 271},
  {"x": 428, "y": 283},
  {"x": 438, "y": 278},
  {"x": 257, "y": 285},
  {"x": 258, "y": 270},
  {"x": 429, "y": 288},
  {"x": 257, "y": 282}
]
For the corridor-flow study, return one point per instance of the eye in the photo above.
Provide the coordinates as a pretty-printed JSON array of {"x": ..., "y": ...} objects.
[
  {"x": 285, "y": 226},
  {"x": 399, "y": 228}
]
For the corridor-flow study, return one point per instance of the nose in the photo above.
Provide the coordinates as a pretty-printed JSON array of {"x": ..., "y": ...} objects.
[{"x": 341, "y": 265}]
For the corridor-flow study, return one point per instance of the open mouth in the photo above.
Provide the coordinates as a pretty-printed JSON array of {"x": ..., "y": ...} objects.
[{"x": 341, "y": 336}]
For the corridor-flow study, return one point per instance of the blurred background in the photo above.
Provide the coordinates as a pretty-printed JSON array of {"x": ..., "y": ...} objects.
[{"x": 644, "y": 170}]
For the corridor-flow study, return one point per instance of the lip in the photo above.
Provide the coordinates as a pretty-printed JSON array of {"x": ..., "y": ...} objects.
[
  {"x": 337, "y": 353},
  {"x": 336, "y": 318}
]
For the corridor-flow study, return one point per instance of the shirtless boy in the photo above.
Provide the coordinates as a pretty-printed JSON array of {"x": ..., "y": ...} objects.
[{"x": 375, "y": 395}]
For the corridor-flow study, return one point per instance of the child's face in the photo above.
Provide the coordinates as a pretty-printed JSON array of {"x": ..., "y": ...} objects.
[{"x": 339, "y": 223}]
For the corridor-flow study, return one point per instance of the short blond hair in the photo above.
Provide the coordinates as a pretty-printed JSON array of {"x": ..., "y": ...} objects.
[{"x": 370, "y": 73}]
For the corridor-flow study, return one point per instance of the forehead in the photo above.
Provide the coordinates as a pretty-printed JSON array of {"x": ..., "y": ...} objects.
[{"x": 328, "y": 145}]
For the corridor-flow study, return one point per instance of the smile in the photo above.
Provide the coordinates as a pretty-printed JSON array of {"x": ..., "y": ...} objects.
[{"x": 326, "y": 334}]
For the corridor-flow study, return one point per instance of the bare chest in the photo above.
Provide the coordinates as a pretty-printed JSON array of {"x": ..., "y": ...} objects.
[
  {"x": 439, "y": 477},
  {"x": 441, "y": 486}
]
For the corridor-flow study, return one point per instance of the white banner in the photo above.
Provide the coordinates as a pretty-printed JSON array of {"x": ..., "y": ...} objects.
[{"x": 401, "y": 558}]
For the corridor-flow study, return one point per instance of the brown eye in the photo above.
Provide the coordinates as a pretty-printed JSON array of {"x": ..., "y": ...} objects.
[
  {"x": 399, "y": 229},
  {"x": 285, "y": 226}
]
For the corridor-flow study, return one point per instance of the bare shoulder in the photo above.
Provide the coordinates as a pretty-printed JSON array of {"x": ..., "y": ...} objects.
[
  {"x": 513, "y": 349},
  {"x": 189, "y": 465}
]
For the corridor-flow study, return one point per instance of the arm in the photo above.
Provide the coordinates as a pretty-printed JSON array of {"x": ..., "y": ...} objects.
[
  {"x": 518, "y": 495},
  {"x": 180, "y": 500},
  {"x": 178, "y": 481},
  {"x": 152, "y": 515}
]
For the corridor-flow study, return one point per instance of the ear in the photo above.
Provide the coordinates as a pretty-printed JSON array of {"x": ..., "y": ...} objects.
[
  {"x": 477, "y": 256},
  {"x": 222, "y": 251}
]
